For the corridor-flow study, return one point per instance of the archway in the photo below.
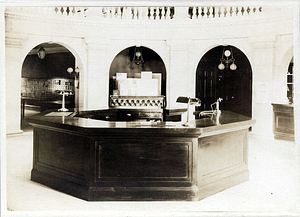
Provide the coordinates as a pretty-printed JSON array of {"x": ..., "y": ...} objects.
[
  {"x": 150, "y": 61},
  {"x": 43, "y": 78},
  {"x": 290, "y": 81},
  {"x": 233, "y": 86}
]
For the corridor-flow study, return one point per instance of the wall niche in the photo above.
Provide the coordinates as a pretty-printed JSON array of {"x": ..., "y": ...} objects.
[{"x": 123, "y": 63}]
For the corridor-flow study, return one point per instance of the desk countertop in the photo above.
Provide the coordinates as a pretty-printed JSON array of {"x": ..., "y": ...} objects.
[{"x": 228, "y": 121}]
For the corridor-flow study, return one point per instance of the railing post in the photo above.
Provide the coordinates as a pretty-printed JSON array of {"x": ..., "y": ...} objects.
[
  {"x": 209, "y": 12},
  {"x": 194, "y": 15},
  {"x": 181, "y": 13},
  {"x": 118, "y": 15},
  {"x": 155, "y": 13},
  {"x": 143, "y": 13},
  {"x": 217, "y": 11},
  {"x": 127, "y": 13},
  {"x": 151, "y": 13},
  {"x": 168, "y": 13},
  {"x": 248, "y": 10},
  {"x": 135, "y": 13},
  {"x": 228, "y": 12}
]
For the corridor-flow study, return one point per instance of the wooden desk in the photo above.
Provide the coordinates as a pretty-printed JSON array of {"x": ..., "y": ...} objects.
[
  {"x": 283, "y": 121},
  {"x": 100, "y": 160}
]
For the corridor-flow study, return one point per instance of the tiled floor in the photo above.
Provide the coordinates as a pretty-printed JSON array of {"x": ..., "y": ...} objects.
[{"x": 273, "y": 187}]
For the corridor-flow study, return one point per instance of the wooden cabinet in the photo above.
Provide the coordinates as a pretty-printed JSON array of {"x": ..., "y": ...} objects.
[{"x": 283, "y": 121}]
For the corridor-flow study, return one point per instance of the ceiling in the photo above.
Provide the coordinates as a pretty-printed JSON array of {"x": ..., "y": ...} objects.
[{"x": 49, "y": 48}]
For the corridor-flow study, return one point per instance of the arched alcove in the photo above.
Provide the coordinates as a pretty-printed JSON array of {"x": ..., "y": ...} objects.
[
  {"x": 124, "y": 63},
  {"x": 43, "y": 79},
  {"x": 55, "y": 63},
  {"x": 233, "y": 86}
]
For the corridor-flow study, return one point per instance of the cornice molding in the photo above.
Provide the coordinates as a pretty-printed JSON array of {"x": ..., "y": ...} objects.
[
  {"x": 179, "y": 44},
  {"x": 96, "y": 43},
  {"x": 14, "y": 42},
  {"x": 264, "y": 42}
]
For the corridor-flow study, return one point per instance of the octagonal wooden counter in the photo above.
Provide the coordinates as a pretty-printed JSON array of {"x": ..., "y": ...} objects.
[{"x": 100, "y": 160}]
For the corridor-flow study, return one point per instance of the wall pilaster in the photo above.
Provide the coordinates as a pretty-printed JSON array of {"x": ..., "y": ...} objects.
[
  {"x": 13, "y": 66},
  {"x": 97, "y": 76},
  {"x": 263, "y": 66},
  {"x": 178, "y": 79}
]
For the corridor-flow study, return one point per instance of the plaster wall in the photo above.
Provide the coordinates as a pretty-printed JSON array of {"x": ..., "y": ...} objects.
[{"x": 180, "y": 45}]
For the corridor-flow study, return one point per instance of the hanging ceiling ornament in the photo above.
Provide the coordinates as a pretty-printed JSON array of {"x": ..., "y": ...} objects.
[
  {"x": 227, "y": 61},
  {"x": 137, "y": 56},
  {"x": 41, "y": 53}
]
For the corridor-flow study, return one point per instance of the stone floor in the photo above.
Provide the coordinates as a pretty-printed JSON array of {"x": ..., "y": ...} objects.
[{"x": 273, "y": 188}]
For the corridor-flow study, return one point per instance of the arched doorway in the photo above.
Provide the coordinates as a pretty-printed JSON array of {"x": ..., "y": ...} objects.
[
  {"x": 127, "y": 63},
  {"x": 290, "y": 82},
  {"x": 233, "y": 86},
  {"x": 43, "y": 78}
]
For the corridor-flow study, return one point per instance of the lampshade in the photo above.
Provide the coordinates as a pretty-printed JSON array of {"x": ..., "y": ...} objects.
[
  {"x": 227, "y": 53},
  {"x": 233, "y": 66},
  {"x": 182, "y": 99},
  {"x": 221, "y": 66},
  {"x": 76, "y": 69},
  {"x": 41, "y": 53},
  {"x": 70, "y": 70},
  {"x": 138, "y": 54}
]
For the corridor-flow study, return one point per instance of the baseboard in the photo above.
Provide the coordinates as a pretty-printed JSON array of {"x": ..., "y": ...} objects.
[
  {"x": 15, "y": 133},
  {"x": 223, "y": 184},
  {"x": 115, "y": 193}
]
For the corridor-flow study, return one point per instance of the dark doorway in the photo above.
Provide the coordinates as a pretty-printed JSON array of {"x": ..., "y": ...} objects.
[{"x": 234, "y": 86}]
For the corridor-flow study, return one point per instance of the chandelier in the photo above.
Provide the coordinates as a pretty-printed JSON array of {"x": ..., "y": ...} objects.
[{"x": 228, "y": 60}]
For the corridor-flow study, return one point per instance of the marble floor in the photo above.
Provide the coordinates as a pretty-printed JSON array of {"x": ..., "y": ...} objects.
[{"x": 273, "y": 188}]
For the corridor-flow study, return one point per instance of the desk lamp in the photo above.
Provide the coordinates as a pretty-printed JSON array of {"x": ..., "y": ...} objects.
[{"x": 64, "y": 93}]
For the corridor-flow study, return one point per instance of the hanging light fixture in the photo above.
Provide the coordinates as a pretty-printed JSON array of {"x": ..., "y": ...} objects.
[
  {"x": 137, "y": 56},
  {"x": 228, "y": 60},
  {"x": 41, "y": 53},
  {"x": 74, "y": 74}
]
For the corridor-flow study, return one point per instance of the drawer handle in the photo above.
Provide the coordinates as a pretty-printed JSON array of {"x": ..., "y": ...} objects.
[{"x": 128, "y": 115}]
